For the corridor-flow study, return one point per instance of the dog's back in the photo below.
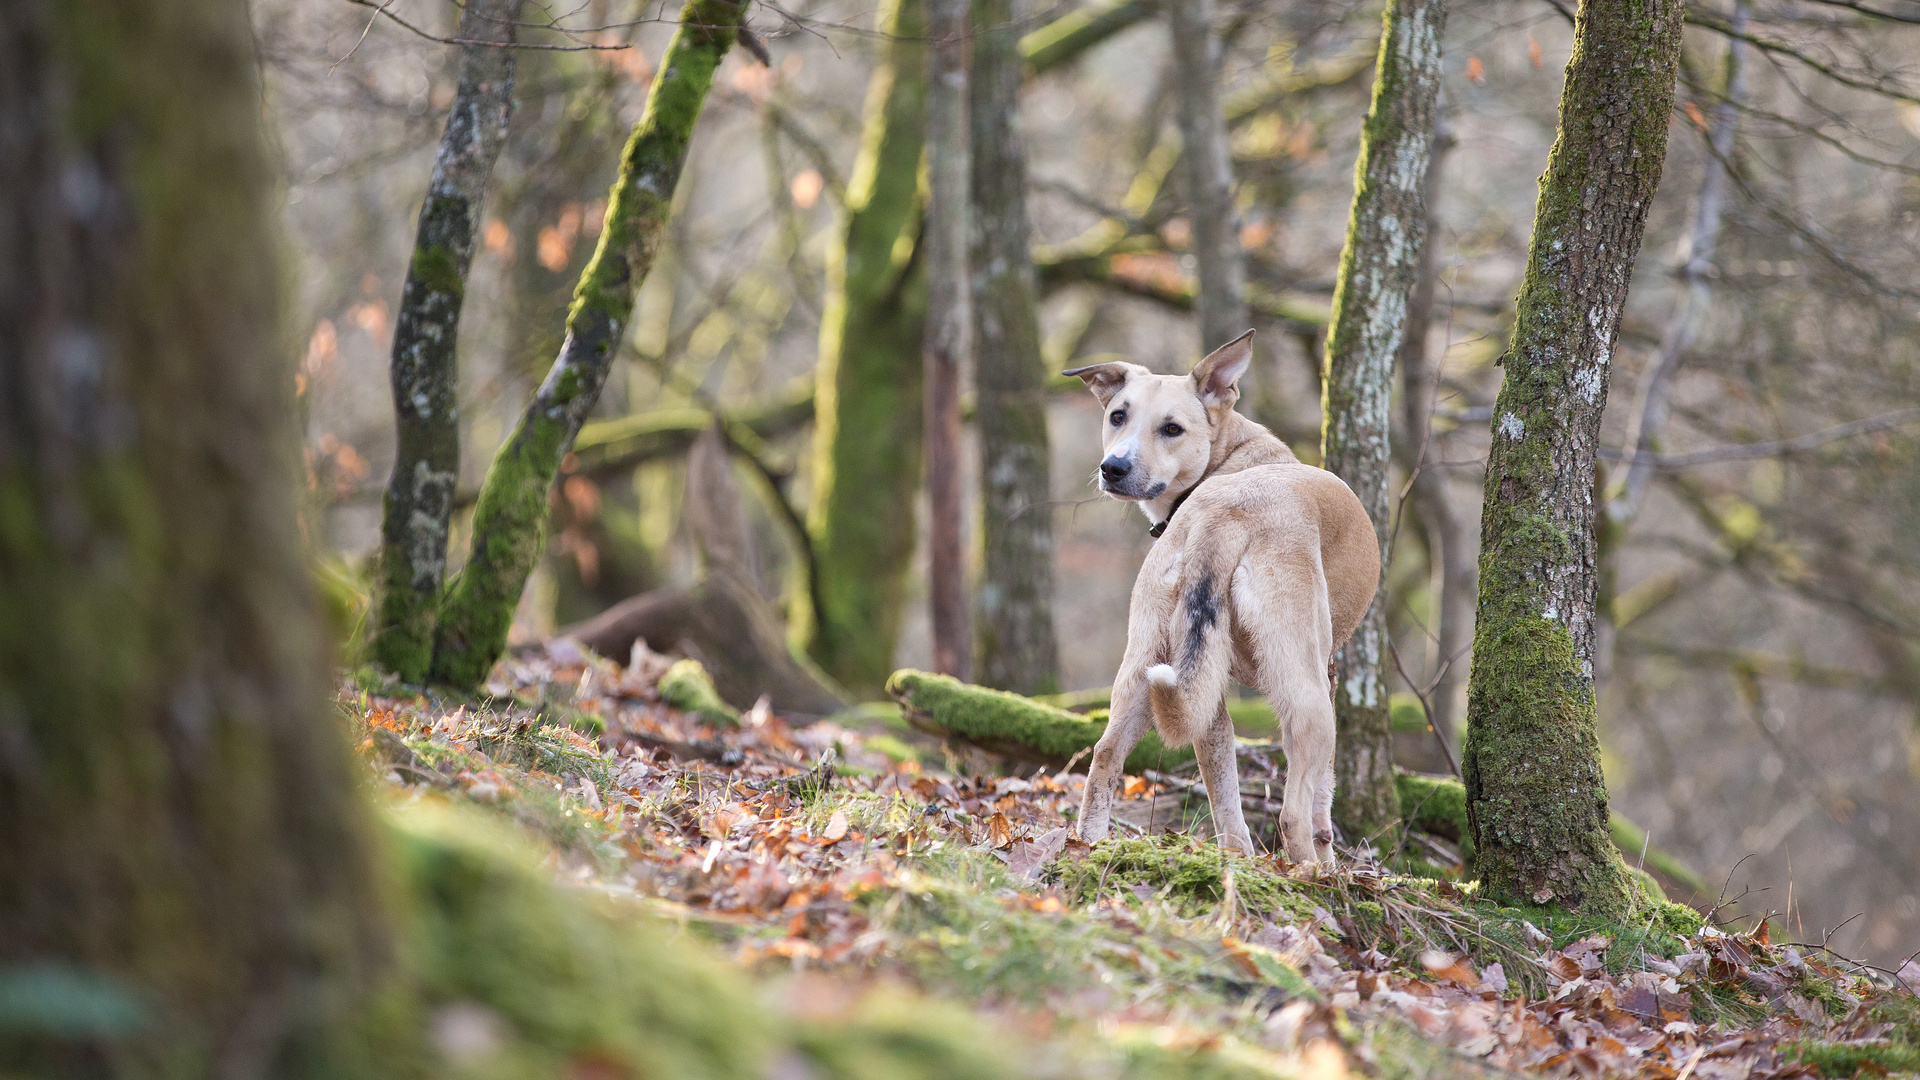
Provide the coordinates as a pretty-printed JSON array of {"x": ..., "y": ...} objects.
[{"x": 1272, "y": 565}]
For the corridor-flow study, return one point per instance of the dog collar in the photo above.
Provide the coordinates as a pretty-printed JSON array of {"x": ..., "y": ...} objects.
[{"x": 1171, "y": 510}]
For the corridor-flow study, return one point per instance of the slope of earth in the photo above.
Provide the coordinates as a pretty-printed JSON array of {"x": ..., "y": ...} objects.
[{"x": 846, "y": 866}]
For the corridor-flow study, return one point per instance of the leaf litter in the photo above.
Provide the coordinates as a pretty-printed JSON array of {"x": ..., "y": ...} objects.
[{"x": 847, "y": 858}]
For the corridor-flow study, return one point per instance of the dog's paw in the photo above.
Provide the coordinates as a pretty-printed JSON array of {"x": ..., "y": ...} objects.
[{"x": 1163, "y": 675}]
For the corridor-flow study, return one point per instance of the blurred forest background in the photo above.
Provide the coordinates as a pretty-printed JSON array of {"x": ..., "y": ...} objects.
[{"x": 1760, "y": 670}]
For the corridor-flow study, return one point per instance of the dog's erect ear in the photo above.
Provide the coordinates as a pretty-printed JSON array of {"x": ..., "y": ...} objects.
[
  {"x": 1105, "y": 380},
  {"x": 1215, "y": 375}
]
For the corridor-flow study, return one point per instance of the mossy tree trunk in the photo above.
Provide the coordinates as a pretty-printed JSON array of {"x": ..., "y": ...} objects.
[
  {"x": 424, "y": 371},
  {"x": 1378, "y": 270},
  {"x": 179, "y": 821},
  {"x": 1016, "y": 646},
  {"x": 1532, "y": 762},
  {"x": 1207, "y": 165},
  {"x": 510, "y": 520},
  {"x": 949, "y": 333},
  {"x": 868, "y": 427}
]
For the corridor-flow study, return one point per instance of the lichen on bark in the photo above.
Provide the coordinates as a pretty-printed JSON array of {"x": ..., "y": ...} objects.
[
  {"x": 1531, "y": 763},
  {"x": 1378, "y": 268},
  {"x": 511, "y": 517},
  {"x": 867, "y": 443},
  {"x": 419, "y": 499}
]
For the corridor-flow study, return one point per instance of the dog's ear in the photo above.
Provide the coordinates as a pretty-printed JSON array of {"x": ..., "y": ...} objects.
[
  {"x": 1105, "y": 380},
  {"x": 1215, "y": 376}
]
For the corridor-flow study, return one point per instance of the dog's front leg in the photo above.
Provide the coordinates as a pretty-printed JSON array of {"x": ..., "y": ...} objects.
[
  {"x": 1221, "y": 773},
  {"x": 1127, "y": 723}
]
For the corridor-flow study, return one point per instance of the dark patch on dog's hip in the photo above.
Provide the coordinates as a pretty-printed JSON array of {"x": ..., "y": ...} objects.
[{"x": 1203, "y": 611}]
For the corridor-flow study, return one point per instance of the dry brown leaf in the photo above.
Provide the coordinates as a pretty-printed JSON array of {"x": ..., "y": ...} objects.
[
  {"x": 999, "y": 830},
  {"x": 837, "y": 827}
]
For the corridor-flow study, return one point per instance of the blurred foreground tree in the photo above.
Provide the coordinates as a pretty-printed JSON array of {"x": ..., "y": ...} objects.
[
  {"x": 425, "y": 372},
  {"x": 1386, "y": 233},
  {"x": 180, "y": 832},
  {"x": 510, "y": 521},
  {"x": 1535, "y": 793}
]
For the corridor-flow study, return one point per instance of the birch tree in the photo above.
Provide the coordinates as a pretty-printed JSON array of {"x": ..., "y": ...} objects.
[
  {"x": 1016, "y": 645},
  {"x": 180, "y": 822},
  {"x": 509, "y": 523},
  {"x": 424, "y": 371},
  {"x": 949, "y": 334},
  {"x": 1379, "y": 267},
  {"x": 1531, "y": 765}
]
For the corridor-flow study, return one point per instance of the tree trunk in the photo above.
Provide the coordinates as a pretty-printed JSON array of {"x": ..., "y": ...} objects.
[
  {"x": 949, "y": 334},
  {"x": 1378, "y": 269},
  {"x": 180, "y": 823},
  {"x": 869, "y": 410},
  {"x": 1016, "y": 645},
  {"x": 1532, "y": 763},
  {"x": 1207, "y": 162},
  {"x": 1450, "y": 545},
  {"x": 419, "y": 502},
  {"x": 510, "y": 521}
]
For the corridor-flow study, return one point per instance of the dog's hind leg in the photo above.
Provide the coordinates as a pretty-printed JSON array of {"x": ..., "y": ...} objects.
[
  {"x": 1127, "y": 723},
  {"x": 1215, "y": 749}
]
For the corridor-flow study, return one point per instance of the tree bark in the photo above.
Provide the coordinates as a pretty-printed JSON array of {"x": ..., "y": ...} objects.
[
  {"x": 510, "y": 521},
  {"x": 1449, "y": 543},
  {"x": 1016, "y": 646},
  {"x": 949, "y": 334},
  {"x": 425, "y": 373},
  {"x": 1065, "y": 39},
  {"x": 868, "y": 420},
  {"x": 180, "y": 823},
  {"x": 1532, "y": 762},
  {"x": 1378, "y": 269},
  {"x": 1207, "y": 164}
]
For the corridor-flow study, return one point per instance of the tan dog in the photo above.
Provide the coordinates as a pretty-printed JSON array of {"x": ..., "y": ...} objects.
[{"x": 1263, "y": 567}]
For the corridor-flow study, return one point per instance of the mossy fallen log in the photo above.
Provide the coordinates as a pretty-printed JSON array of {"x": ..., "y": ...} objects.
[
  {"x": 1014, "y": 726},
  {"x": 1040, "y": 732}
]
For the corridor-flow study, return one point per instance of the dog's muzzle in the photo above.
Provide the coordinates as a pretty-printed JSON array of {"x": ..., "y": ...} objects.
[{"x": 1119, "y": 479}]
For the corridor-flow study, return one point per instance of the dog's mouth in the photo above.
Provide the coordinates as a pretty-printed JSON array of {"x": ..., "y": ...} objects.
[{"x": 1131, "y": 491}]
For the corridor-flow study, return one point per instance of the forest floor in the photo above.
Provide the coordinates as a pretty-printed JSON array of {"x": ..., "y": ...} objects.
[{"x": 840, "y": 864}]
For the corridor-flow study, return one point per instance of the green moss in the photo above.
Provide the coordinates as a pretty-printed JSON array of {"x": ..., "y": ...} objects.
[
  {"x": 686, "y": 687},
  {"x": 1835, "y": 1060},
  {"x": 1437, "y": 806},
  {"x": 867, "y": 435},
  {"x": 439, "y": 269},
  {"x": 510, "y": 520},
  {"x": 1013, "y": 725},
  {"x": 1186, "y": 870}
]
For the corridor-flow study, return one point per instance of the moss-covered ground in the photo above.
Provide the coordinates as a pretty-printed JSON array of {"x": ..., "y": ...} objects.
[{"x": 602, "y": 880}]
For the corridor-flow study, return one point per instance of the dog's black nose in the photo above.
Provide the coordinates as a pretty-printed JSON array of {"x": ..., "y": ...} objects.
[{"x": 1115, "y": 469}]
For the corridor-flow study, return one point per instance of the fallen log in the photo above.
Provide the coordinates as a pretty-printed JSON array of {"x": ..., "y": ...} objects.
[
  {"x": 1032, "y": 731},
  {"x": 720, "y": 620}
]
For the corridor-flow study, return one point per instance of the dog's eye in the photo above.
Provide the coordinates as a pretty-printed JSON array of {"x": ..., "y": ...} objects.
[
  {"x": 1119, "y": 417},
  {"x": 1170, "y": 429}
]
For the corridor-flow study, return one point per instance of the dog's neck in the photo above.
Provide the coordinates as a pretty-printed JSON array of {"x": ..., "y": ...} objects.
[{"x": 1238, "y": 443}]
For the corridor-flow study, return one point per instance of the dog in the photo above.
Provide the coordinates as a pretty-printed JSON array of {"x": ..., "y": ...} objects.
[{"x": 1262, "y": 566}]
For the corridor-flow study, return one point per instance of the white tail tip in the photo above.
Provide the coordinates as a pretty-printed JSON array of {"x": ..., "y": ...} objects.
[{"x": 1163, "y": 675}]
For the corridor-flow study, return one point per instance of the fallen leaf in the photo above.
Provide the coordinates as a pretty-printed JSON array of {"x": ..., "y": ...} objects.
[
  {"x": 999, "y": 830},
  {"x": 1030, "y": 857},
  {"x": 837, "y": 826}
]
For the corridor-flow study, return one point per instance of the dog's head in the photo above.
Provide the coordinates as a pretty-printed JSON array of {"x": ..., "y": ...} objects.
[{"x": 1159, "y": 429}]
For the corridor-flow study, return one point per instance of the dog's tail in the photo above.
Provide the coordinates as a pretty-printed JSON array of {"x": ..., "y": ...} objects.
[{"x": 1187, "y": 695}]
